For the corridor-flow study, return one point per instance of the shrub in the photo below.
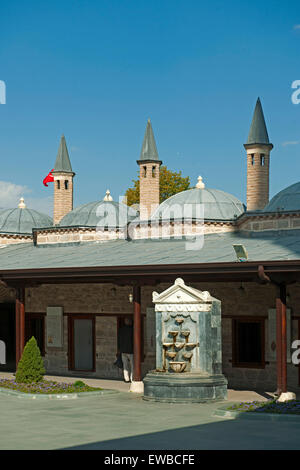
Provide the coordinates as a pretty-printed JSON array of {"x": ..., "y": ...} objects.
[
  {"x": 79, "y": 384},
  {"x": 31, "y": 367}
]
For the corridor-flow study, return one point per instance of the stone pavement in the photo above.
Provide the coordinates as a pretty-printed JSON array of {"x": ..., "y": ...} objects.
[
  {"x": 124, "y": 421},
  {"x": 233, "y": 395}
]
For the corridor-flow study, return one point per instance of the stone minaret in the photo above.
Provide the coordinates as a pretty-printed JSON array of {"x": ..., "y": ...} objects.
[
  {"x": 258, "y": 149},
  {"x": 63, "y": 183},
  {"x": 149, "y": 175}
]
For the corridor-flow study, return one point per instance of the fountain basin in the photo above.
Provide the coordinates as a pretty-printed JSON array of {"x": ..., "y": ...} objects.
[
  {"x": 173, "y": 333},
  {"x": 172, "y": 355},
  {"x": 179, "y": 345},
  {"x": 187, "y": 355},
  {"x": 177, "y": 366},
  {"x": 185, "y": 333}
]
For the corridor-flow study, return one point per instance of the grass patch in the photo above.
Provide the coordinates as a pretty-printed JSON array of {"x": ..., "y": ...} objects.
[
  {"x": 47, "y": 387},
  {"x": 270, "y": 406}
]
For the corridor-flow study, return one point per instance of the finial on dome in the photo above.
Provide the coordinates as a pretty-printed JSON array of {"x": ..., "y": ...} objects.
[
  {"x": 107, "y": 196},
  {"x": 200, "y": 184},
  {"x": 22, "y": 204}
]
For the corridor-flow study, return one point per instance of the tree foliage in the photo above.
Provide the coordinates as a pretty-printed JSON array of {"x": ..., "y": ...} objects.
[
  {"x": 170, "y": 183},
  {"x": 31, "y": 366}
]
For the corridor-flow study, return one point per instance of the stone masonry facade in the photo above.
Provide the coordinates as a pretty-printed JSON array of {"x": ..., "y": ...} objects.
[
  {"x": 63, "y": 195},
  {"x": 149, "y": 188},
  {"x": 258, "y": 168},
  {"x": 108, "y": 302}
]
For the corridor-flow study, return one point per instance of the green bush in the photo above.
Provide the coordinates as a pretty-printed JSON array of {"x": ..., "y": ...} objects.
[
  {"x": 31, "y": 367},
  {"x": 79, "y": 384}
]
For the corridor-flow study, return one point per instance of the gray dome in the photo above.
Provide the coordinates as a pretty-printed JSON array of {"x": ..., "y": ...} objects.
[
  {"x": 218, "y": 205},
  {"x": 99, "y": 214},
  {"x": 22, "y": 221},
  {"x": 286, "y": 200}
]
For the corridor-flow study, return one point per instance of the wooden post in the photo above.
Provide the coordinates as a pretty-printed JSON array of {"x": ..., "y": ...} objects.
[
  {"x": 17, "y": 328},
  {"x": 20, "y": 323},
  {"x": 137, "y": 334},
  {"x": 281, "y": 340},
  {"x": 284, "y": 338},
  {"x": 22, "y": 320}
]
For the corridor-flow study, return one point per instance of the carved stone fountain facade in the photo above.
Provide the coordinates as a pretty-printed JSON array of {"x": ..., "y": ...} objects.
[{"x": 188, "y": 347}]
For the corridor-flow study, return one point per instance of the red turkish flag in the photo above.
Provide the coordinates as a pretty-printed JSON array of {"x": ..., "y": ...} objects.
[{"x": 49, "y": 178}]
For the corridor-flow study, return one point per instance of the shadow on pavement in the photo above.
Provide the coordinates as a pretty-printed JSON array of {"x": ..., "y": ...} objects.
[{"x": 231, "y": 434}]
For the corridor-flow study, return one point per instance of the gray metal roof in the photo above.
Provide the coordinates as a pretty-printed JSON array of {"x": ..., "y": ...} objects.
[
  {"x": 270, "y": 246},
  {"x": 149, "y": 150},
  {"x": 22, "y": 221},
  {"x": 62, "y": 160},
  {"x": 286, "y": 200},
  {"x": 99, "y": 214},
  {"x": 218, "y": 205},
  {"x": 258, "y": 131}
]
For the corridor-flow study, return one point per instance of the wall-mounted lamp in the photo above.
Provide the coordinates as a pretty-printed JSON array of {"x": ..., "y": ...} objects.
[{"x": 130, "y": 298}]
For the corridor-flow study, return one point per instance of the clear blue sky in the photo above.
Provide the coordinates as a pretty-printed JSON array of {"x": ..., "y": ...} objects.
[{"x": 96, "y": 70}]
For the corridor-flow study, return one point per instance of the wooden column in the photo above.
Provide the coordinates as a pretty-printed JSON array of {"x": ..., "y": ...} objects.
[
  {"x": 17, "y": 328},
  {"x": 284, "y": 337},
  {"x": 281, "y": 340},
  {"x": 137, "y": 334},
  {"x": 20, "y": 323}
]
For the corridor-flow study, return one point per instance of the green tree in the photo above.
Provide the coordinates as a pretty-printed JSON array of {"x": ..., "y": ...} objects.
[
  {"x": 170, "y": 183},
  {"x": 31, "y": 366}
]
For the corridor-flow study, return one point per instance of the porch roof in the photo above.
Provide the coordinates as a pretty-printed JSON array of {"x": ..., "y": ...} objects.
[{"x": 117, "y": 258}]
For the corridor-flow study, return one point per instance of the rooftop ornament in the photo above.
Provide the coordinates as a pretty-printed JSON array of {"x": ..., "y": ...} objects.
[
  {"x": 107, "y": 196},
  {"x": 22, "y": 204},
  {"x": 200, "y": 184}
]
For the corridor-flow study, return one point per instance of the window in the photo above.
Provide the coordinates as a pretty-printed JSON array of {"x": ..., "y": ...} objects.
[
  {"x": 248, "y": 342},
  {"x": 153, "y": 172},
  {"x": 252, "y": 159},
  {"x": 262, "y": 159},
  {"x": 66, "y": 184},
  {"x": 58, "y": 184},
  {"x": 145, "y": 171}
]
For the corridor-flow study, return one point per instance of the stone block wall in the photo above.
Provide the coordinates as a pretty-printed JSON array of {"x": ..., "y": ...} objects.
[
  {"x": 108, "y": 301},
  {"x": 63, "y": 197},
  {"x": 257, "y": 177}
]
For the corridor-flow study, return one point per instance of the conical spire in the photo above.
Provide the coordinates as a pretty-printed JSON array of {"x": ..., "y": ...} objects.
[
  {"x": 149, "y": 150},
  {"x": 62, "y": 160},
  {"x": 258, "y": 131}
]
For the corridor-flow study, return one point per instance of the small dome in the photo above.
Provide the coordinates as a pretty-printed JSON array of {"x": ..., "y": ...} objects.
[
  {"x": 105, "y": 213},
  {"x": 286, "y": 200},
  {"x": 218, "y": 205},
  {"x": 22, "y": 220}
]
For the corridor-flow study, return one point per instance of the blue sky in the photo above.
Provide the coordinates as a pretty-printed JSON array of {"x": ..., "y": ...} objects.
[{"x": 97, "y": 70}]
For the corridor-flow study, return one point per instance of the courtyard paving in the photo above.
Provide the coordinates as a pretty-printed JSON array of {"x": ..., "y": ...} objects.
[{"x": 123, "y": 421}]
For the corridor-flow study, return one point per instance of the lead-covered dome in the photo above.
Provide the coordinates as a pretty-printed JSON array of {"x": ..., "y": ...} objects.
[
  {"x": 21, "y": 221},
  {"x": 218, "y": 205},
  {"x": 105, "y": 213},
  {"x": 286, "y": 200}
]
